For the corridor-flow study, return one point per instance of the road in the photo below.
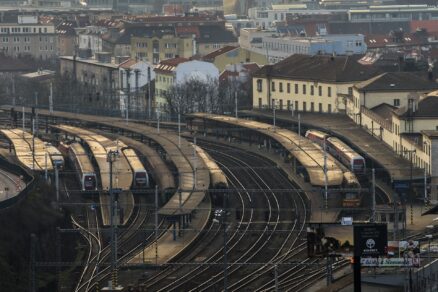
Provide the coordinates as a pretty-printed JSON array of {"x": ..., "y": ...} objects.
[{"x": 10, "y": 185}]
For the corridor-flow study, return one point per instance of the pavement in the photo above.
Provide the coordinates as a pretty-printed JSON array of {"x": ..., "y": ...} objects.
[
  {"x": 168, "y": 248},
  {"x": 10, "y": 185}
]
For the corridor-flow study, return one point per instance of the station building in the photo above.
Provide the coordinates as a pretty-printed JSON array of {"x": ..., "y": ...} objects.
[{"x": 309, "y": 83}]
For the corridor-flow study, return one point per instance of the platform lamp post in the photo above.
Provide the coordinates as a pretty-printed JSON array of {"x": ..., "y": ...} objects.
[
  {"x": 325, "y": 175},
  {"x": 111, "y": 158}
]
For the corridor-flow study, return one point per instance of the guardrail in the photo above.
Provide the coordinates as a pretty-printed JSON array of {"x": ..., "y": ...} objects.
[{"x": 27, "y": 177}]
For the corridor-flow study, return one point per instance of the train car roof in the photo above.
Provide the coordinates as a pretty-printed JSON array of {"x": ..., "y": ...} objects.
[
  {"x": 82, "y": 158},
  {"x": 133, "y": 160},
  {"x": 345, "y": 148},
  {"x": 217, "y": 176},
  {"x": 303, "y": 149},
  {"x": 318, "y": 133}
]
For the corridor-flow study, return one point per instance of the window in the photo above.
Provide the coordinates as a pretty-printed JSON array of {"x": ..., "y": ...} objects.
[
  {"x": 320, "y": 107},
  {"x": 312, "y": 90},
  {"x": 288, "y": 105},
  {"x": 281, "y": 86},
  {"x": 273, "y": 86},
  {"x": 168, "y": 55},
  {"x": 260, "y": 102},
  {"x": 396, "y": 102},
  {"x": 304, "y": 106},
  {"x": 320, "y": 90},
  {"x": 329, "y": 91},
  {"x": 288, "y": 88},
  {"x": 296, "y": 105},
  {"x": 296, "y": 88},
  {"x": 350, "y": 90},
  {"x": 304, "y": 88},
  {"x": 281, "y": 104},
  {"x": 329, "y": 108},
  {"x": 312, "y": 107},
  {"x": 259, "y": 85}
]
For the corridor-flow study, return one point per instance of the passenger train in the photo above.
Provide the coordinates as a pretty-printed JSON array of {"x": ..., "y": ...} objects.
[
  {"x": 348, "y": 157},
  {"x": 141, "y": 178},
  {"x": 339, "y": 149},
  {"x": 84, "y": 167}
]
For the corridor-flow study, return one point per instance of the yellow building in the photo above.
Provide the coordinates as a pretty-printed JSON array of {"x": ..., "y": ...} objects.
[
  {"x": 230, "y": 55},
  {"x": 157, "y": 48},
  {"x": 309, "y": 83}
]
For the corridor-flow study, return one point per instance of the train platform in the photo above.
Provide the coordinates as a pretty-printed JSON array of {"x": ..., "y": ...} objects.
[
  {"x": 121, "y": 173},
  {"x": 170, "y": 244},
  {"x": 10, "y": 185},
  {"x": 193, "y": 175},
  {"x": 318, "y": 211},
  {"x": 343, "y": 127}
]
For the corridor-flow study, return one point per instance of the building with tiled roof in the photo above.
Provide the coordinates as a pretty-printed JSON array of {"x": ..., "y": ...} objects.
[
  {"x": 230, "y": 55},
  {"x": 309, "y": 83},
  {"x": 66, "y": 37},
  {"x": 213, "y": 37},
  {"x": 177, "y": 71}
]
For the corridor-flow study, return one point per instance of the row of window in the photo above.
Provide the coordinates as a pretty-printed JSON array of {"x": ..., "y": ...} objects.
[
  {"x": 165, "y": 79},
  {"x": 23, "y": 30},
  {"x": 295, "y": 105},
  {"x": 166, "y": 45},
  {"x": 17, "y": 39},
  {"x": 296, "y": 88}
]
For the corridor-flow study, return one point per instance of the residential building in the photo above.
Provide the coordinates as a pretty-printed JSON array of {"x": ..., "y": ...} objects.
[
  {"x": 232, "y": 55},
  {"x": 30, "y": 37},
  {"x": 90, "y": 37},
  {"x": 394, "y": 108},
  {"x": 214, "y": 37},
  {"x": 391, "y": 13},
  {"x": 177, "y": 71},
  {"x": 309, "y": 83},
  {"x": 154, "y": 46},
  {"x": 66, "y": 38}
]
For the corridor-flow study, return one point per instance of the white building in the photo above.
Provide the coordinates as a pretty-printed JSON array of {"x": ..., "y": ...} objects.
[
  {"x": 134, "y": 84},
  {"x": 90, "y": 38}
]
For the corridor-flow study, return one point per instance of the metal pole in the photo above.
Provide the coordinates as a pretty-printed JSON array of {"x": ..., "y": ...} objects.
[
  {"x": 113, "y": 248},
  {"x": 273, "y": 108},
  {"x": 235, "y": 101},
  {"x": 149, "y": 93},
  {"x": 57, "y": 184},
  {"x": 179, "y": 129},
  {"x": 36, "y": 112},
  {"x": 410, "y": 191},
  {"x": 426, "y": 199},
  {"x": 13, "y": 91},
  {"x": 292, "y": 110},
  {"x": 373, "y": 207},
  {"x": 325, "y": 175},
  {"x": 51, "y": 98},
  {"x": 156, "y": 224},
  {"x": 33, "y": 144},
  {"x": 224, "y": 225},
  {"x": 45, "y": 162},
  {"x": 158, "y": 121},
  {"x": 299, "y": 126},
  {"x": 194, "y": 163},
  {"x": 24, "y": 117}
]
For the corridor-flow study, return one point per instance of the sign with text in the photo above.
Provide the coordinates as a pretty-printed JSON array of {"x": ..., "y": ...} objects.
[
  {"x": 370, "y": 240},
  {"x": 390, "y": 262}
]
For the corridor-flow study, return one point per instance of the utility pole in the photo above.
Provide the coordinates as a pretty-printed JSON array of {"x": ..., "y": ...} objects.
[
  {"x": 45, "y": 162},
  {"x": 373, "y": 206},
  {"x": 36, "y": 111},
  {"x": 24, "y": 118},
  {"x": 33, "y": 144},
  {"x": 149, "y": 93},
  {"x": 325, "y": 175},
  {"x": 426, "y": 198},
  {"x": 179, "y": 129},
  {"x": 195, "y": 160},
  {"x": 158, "y": 121},
  {"x": 273, "y": 109},
  {"x": 156, "y": 224},
  {"x": 51, "y": 98},
  {"x": 111, "y": 158},
  {"x": 57, "y": 183},
  {"x": 128, "y": 95},
  {"x": 235, "y": 101}
]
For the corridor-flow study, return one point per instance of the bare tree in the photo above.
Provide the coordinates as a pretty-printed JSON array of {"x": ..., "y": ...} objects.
[{"x": 193, "y": 96}]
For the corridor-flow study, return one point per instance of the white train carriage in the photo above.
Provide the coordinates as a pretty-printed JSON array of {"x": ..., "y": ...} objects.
[
  {"x": 344, "y": 153},
  {"x": 55, "y": 156},
  {"x": 141, "y": 178},
  {"x": 352, "y": 194},
  {"x": 84, "y": 167}
]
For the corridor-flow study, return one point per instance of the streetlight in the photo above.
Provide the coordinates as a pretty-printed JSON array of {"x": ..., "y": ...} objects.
[{"x": 111, "y": 158}]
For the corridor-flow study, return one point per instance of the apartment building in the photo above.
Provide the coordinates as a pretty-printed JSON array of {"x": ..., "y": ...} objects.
[
  {"x": 29, "y": 37},
  {"x": 154, "y": 47},
  {"x": 309, "y": 83},
  {"x": 400, "y": 109}
]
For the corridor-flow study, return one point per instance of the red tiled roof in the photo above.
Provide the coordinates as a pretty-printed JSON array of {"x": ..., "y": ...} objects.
[
  {"x": 251, "y": 67},
  {"x": 429, "y": 25},
  {"x": 378, "y": 41},
  {"x": 219, "y": 52},
  {"x": 128, "y": 63},
  {"x": 167, "y": 66}
]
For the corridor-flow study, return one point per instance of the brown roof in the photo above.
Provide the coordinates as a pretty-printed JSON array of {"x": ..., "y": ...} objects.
[
  {"x": 397, "y": 81},
  {"x": 320, "y": 68},
  {"x": 426, "y": 108},
  {"x": 167, "y": 66},
  {"x": 128, "y": 63},
  {"x": 221, "y": 51}
]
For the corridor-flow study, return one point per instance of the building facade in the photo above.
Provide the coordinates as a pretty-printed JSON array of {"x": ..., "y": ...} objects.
[{"x": 29, "y": 37}]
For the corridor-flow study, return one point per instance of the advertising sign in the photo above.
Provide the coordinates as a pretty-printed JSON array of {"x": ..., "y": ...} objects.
[
  {"x": 370, "y": 240},
  {"x": 399, "y": 254},
  {"x": 329, "y": 239},
  {"x": 390, "y": 262}
]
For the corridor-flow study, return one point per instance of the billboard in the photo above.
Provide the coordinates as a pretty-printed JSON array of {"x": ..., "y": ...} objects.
[
  {"x": 399, "y": 254},
  {"x": 370, "y": 240},
  {"x": 324, "y": 239}
]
